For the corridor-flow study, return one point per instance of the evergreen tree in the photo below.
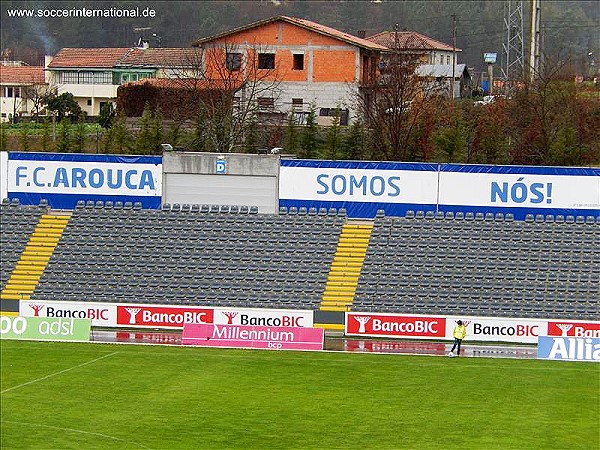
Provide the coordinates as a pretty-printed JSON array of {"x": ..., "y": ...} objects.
[
  {"x": 156, "y": 131},
  {"x": 121, "y": 142},
  {"x": 292, "y": 137},
  {"x": 79, "y": 135},
  {"x": 24, "y": 136},
  {"x": 309, "y": 140},
  {"x": 45, "y": 136},
  {"x": 355, "y": 141},
  {"x": 251, "y": 138},
  {"x": 451, "y": 141},
  {"x": 64, "y": 136},
  {"x": 143, "y": 142},
  {"x": 199, "y": 143},
  {"x": 3, "y": 134},
  {"x": 333, "y": 142}
]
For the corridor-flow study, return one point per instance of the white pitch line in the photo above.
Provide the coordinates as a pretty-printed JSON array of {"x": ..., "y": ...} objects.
[
  {"x": 76, "y": 431},
  {"x": 57, "y": 373}
]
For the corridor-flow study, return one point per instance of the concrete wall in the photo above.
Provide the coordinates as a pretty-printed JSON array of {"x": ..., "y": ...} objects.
[{"x": 239, "y": 179}]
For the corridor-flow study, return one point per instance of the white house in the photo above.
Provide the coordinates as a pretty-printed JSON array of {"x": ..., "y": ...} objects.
[{"x": 20, "y": 87}]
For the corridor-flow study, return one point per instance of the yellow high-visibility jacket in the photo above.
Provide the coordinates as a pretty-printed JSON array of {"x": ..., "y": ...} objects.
[{"x": 460, "y": 331}]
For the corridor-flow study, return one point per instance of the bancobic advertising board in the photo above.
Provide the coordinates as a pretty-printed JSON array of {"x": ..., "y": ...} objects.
[
  {"x": 263, "y": 317},
  {"x": 101, "y": 314},
  {"x": 161, "y": 316},
  {"x": 395, "y": 325},
  {"x": 441, "y": 327}
]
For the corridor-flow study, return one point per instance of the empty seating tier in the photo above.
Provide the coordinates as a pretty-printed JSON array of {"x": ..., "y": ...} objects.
[
  {"x": 192, "y": 256},
  {"x": 482, "y": 265}
]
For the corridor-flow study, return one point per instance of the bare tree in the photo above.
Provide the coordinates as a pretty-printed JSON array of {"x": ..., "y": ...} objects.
[
  {"x": 37, "y": 94},
  {"x": 395, "y": 104},
  {"x": 233, "y": 88}
]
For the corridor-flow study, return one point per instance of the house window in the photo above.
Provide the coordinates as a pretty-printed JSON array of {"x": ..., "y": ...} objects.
[
  {"x": 298, "y": 63},
  {"x": 17, "y": 92},
  {"x": 125, "y": 78},
  {"x": 233, "y": 61},
  {"x": 447, "y": 60},
  {"x": 266, "y": 60},
  {"x": 89, "y": 102},
  {"x": 266, "y": 102},
  {"x": 8, "y": 91},
  {"x": 297, "y": 104},
  {"x": 442, "y": 59}
]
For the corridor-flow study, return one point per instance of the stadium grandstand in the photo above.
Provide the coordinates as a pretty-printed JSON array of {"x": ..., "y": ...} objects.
[{"x": 212, "y": 255}]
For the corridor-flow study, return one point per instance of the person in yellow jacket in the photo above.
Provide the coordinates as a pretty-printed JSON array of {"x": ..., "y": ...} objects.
[{"x": 460, "y": 331}]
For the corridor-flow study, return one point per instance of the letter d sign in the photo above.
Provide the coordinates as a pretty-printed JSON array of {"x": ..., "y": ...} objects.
[{"x": 221, "y": 166}]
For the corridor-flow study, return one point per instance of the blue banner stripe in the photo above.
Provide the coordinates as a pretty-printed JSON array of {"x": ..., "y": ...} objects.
[
  {"x": 520, "y": 170},
  {"x": 69, "y": 201},
  {"x": 520, "y": 213},
  {"x": 363, "y": 165},
  {"x": 358, "y": 210},
  {"x": 84, "y": 157}
]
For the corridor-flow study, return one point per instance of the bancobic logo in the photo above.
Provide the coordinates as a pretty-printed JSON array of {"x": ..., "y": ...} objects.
[
  {"x": 69, "y": 312},
  {"x": 575, "y": 329},
  {"x": 397, "y": 325},
  {"x": 505, "y": 330},
  {"x": 279, "y": 320},
  {"x": 161, "y": 316}
]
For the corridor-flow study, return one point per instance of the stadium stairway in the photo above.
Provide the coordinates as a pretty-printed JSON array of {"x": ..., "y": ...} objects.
[
  {"x": 34, "y": 259},
  {"x": 346, "y": 266}
]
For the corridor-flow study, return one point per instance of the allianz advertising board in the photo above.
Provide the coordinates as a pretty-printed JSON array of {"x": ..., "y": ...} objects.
[{"x": 569, "y": 348}]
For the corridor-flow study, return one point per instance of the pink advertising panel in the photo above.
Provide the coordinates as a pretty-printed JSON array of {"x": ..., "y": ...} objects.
[{"x": 247, "y": 336}]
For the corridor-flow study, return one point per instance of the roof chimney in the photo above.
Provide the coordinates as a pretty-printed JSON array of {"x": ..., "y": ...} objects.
[{"x": 362, "y": 34}]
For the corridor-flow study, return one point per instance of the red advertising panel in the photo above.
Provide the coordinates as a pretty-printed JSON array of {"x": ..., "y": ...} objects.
[
  {"x": 242, "y": 336},
  {"x": 161, "y": 316},
  {"x": 395, "y": 325},
  {"x": 575, "y": 329}
]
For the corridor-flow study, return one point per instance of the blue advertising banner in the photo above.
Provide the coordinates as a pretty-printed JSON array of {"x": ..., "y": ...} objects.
[
  {"x": 569, "y": 348},
  {"x": 361, "y": 188},
  {"x": 519, "y": 190},
  {"x": 365, "y": 187},
  {"x": 64, "y": 178}
]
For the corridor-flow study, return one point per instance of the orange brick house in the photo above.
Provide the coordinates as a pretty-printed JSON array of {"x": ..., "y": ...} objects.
[{"x": 303, "y": 61}]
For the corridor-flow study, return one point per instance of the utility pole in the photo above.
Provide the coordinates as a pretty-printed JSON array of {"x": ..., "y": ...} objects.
[
  {"x": 453, "y": 57},
  {"x": 534, "y": 43}
]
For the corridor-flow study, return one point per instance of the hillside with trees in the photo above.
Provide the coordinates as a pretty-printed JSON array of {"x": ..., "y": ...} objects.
[{"x": 569, "y": 28}]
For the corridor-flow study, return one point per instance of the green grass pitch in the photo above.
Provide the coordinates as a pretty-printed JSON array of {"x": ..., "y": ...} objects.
[{"x": 106, "y": 396}]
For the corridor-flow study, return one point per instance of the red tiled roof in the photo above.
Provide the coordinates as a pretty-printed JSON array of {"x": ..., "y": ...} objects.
[
  {"x": 88, "y": 57},
  {"x": 21, "y": 74},
  {"x": 313, "y": 26},
  {"x": 409, "y": 40},
  {"x": 161, "y": 57}
]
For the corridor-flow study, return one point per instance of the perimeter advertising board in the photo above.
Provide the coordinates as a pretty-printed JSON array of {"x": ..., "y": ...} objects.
[
  {"x": 569, "y": 348},
  {"x": 63, "y": 179},
  {"x": 45, "y": 328},
  {"x": 259, "y": 337},
  {"x": 156, "y": 316},
  {"x": 264, "y": 317},
  {"x": 135, "y": 315},
  {"x": 100, "y": 314},
  {"x": 484, "y": 329}
]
